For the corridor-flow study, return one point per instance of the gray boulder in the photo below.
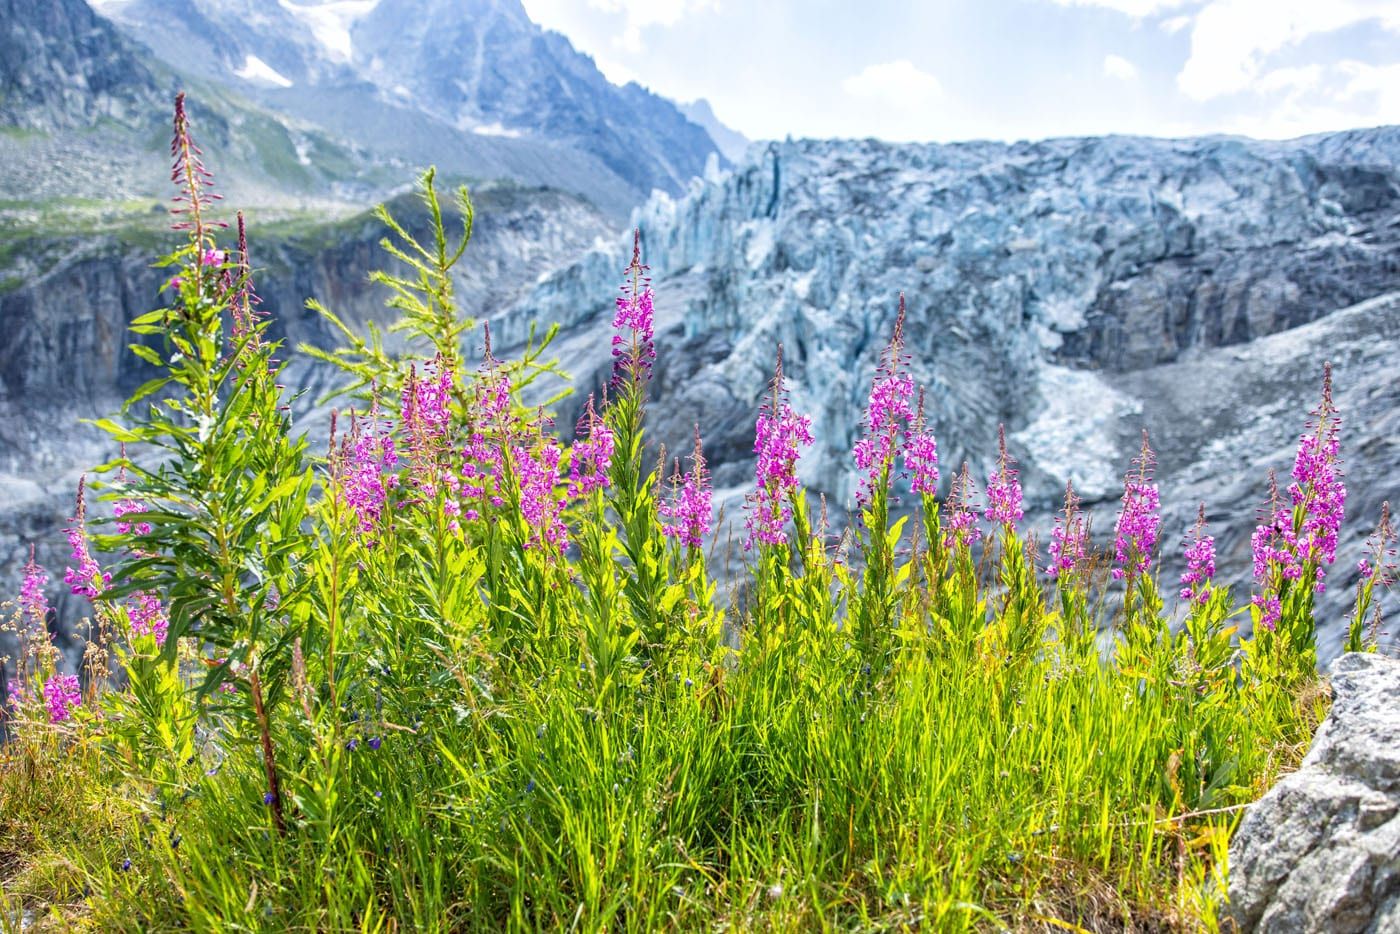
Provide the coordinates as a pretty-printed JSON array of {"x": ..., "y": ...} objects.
[{"x": 1321, "y": 850}]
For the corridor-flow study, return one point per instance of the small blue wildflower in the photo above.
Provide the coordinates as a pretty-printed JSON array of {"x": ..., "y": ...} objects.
[
  {"x": 374, "y": 742},
  {"x": 379, "y": 794},
  {"x": 126, "y": 865},
  {"x": 353, "y": 744},
  {"x": 268, "y": 797},
  {"x": 530, "y": 786}
]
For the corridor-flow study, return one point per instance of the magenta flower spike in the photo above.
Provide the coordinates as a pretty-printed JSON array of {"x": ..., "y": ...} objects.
[
  {"x": 33, "y": 602},
  {"x": 196, "y": 183},
  {"x": 86, "y": 579},
  {"x": 633, "y": 348},
  {"x": 1200, "y": 563},
  {"x": 1135, "y": 535},
  {"x": 888, "y": 414},
  {"x": 779, "y": 435},
  {"x": 1317, "y": 490},
  {"x": 364, "y": 471},
  {"x": 688, "y": 509},
  {"x": 1069, "y": 539},
  {"x": 921, "y": 456},
  {"x": 148, "y": 617},
  {"x": 542, "y": 508},
  {"x": 61, "y": 696},
  {"x": 591, "y": 456},
  {"x": 1003, "y": 487},
  {"x": 960, "y": 525}
]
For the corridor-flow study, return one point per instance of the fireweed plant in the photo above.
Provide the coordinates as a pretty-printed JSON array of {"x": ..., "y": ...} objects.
[{"x": 462, "y": 673}]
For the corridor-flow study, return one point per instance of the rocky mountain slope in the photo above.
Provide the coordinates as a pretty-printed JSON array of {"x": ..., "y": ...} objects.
[
  {"x": 472, "y": 85},
  {"x": 1076, "y": 290}
]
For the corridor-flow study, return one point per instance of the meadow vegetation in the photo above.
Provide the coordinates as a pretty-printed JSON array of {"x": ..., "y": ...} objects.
[{"x": 461, "y": 672}]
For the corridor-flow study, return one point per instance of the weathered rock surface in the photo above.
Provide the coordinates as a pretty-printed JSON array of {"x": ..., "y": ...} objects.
[{"x": 1321, "y": 850}]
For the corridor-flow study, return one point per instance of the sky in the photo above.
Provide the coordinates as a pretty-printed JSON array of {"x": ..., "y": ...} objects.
[{"x": 942, "y": 70}]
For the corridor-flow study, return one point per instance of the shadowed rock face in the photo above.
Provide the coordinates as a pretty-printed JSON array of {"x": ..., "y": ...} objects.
[
  {"x": 1076, "y": 290},
  {"x": 1321, "y": 850},
  {"x": 61, "y": 66}
]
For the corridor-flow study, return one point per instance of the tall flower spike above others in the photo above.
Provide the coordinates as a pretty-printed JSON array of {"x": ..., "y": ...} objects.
[
  {"x": 1317, "y": 490},
  {"x": 688, "y": 509},
  {"x": 591, "y": 455},
  {"x": 195, "y": 181},
  {"x": 888, "y": 415},
  {"x": 1200, "y": 562},
  {"x": 1069, "y": 539},
  {"x": 1003, "y": 487},
  {"x": 960, "y": 526},
  {"x": 1380, "y": 548},
  {"x": 1135, "y": 535},
  {"x": 86, "y": 579},
  {"x": 244, "y": 300},
  {"x": 779, "y": 435},
  {"x": 633, "y": 349},
  {"x": 921, "y": 456}
]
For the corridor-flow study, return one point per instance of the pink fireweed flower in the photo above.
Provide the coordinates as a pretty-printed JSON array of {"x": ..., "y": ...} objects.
[
  {"x": 364, "y": 471},
  {"x": 1200, "y": 562},
  {"x": 779, "y": 435},
  {"x": 488, "y": 435},
  {"x": 1135, "y": 534},
  {"x": 633, "y": 348},
  {"x": 1318, "y": 493},
  {"x": 127, "y": 507},
  {"x": 688, "y": 508},
  {"x": 1270, "y": 610},
  {"x": 148, "y": 617},
  {"x": 591, "y": 456},
  {"x": 33, "y": 603},
  {"x": 888, "y": 415},
  {"x": 425, "y": 420},
  {"x": 1069, "y": 539},
  {"x": 86, "y": 579},
  {"x": 61, "y": 696},
  {"x": 921, "y": 456},
  {"x": 960, "y": 529},
  {"x": 1003, "y": 487},
  {"x": 537, "y": 472}
]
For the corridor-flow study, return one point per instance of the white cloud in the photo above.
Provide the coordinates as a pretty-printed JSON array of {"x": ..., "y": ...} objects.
[
  {"x": 898, "y": 84},
  {"x": 639, "y": 14},
  {"x": 1137, "y": 9},
  {"x": 1175, "y": 24},
  {"x": 1116, "y": 66},
  {"x": 1232, "y": 39}
]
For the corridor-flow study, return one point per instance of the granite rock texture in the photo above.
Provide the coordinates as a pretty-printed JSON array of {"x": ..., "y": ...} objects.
[{"x": 1321, "y": 850}]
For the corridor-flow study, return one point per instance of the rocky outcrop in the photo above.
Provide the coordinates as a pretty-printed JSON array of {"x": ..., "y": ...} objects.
[
  {"x": 61, "y": 65},
  {"x": 1077, "y": 290},
  {"x": 1321, "y": 850}
]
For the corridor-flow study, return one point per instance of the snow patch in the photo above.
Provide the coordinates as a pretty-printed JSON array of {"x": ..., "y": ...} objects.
[
  {"x": 330, "y": 23},
  {"x": 1072, "y": 437},
  {"x": 255, "y": 69}
]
